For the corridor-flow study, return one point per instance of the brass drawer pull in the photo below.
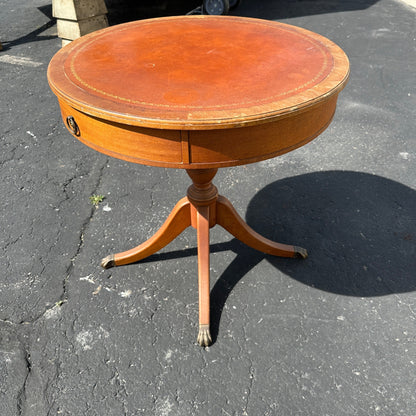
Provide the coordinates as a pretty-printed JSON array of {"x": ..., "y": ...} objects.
[{"x": 73, "y": 126}]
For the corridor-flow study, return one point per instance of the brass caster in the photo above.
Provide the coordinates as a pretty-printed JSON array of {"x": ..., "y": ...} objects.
[
  {"x": 301, "y": 253},
  {"x": 204, "y": 336},
  {"x": 108, "y": 262}
]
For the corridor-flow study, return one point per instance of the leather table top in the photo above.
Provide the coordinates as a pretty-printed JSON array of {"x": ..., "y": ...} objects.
[{"x": 197, "y": 72}]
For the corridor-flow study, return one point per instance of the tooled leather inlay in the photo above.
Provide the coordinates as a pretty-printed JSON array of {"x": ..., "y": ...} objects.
[{"x": 199, "y": 64}]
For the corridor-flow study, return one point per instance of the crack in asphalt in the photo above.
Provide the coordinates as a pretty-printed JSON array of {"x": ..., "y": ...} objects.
[{"x": 21, "y": 396}]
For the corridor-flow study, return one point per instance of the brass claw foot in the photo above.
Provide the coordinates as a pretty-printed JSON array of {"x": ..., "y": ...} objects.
[
  {"x": 204, "y": 336},
  {"x": 108, "y": 262},
  {"x": 301, "y": 253}
]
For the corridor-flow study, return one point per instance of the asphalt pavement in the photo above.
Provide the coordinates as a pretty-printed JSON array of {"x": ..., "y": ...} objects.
[{"x": 331, "y": 335}]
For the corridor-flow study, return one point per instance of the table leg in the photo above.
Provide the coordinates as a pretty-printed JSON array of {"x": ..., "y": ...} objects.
[
  {"x": 202, "y": 228},
  {"x": 179, "y": 219},
  {"x": 229, "y": 219}
]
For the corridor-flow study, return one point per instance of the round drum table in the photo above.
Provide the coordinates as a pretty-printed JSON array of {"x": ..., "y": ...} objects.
[{"x": 199, "y": 93}]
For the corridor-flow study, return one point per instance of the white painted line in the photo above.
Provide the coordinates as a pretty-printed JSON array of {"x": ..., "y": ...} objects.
[{"x": 19, "y": 60}]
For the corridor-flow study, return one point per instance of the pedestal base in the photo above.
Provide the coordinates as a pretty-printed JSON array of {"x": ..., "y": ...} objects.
[{"x": 203, "y": 208}]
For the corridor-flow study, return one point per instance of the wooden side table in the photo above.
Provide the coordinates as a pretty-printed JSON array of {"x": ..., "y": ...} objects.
[{"x": 199, "y": 93}]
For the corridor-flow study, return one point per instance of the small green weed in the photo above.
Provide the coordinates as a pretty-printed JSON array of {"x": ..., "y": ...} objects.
[{"x": 96, "y": 199}]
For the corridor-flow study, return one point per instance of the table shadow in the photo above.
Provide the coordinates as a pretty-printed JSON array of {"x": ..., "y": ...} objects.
[{"x": 359, "y": 229}]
